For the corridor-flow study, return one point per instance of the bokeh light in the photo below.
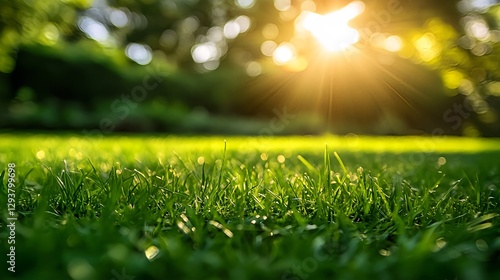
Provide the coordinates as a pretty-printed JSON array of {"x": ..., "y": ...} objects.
[
  {"x": 327, "y": 42},
  {"x": 494, "y": 88},
  {"x": 205, "y": 52},
  {"x": 244, "y": 23},
  {"x": 50, "y": 34},
  {"x": 253, "y": 69},
  {"x": 466, "y": 87},
  {"x": 139, "y": 53},
  {"x": 284, "y": 53},
  {"x": 393, "y": 43},
  {"x": 190, "y": 24},
  {"x": 477, "y": 28},
  {"x": 215, "y": 34},
  {"x": 94, "y": 29},
  {"x": 282, "y": 5},
  {"x": 453, "y": 79},
  {"x": 231, "y": 29},
  {"x": 428, "y": 47},
  {"x": 169, "y": 39},
  {"x": 267, "y": 48},
  {"x": 245, "y": 4},
  {"x": 466, "y": 6},
  {"x": 118, "y": 18},
  {"x": 308, "y": 5},
  {"x": 211, "y": 65},
  {"x": 270, "y": 31}
]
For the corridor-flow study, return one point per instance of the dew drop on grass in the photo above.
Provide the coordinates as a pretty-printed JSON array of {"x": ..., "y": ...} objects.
[
  {"x": 151, "y": 252},
  {"x": 105, "y": 167},
  {"x": 311, "y": 227},
  {"x": 184, "y": 218},
  {"x": 201, "y": 160},
  {"x": 227, "y": 232},
  {"x": 281, "y": 159},
  {"x": 384, "y": 252},
  {"x": 441, "y": 161},
  {"x": 40, "y": 154},
  {"x": 183, "y": 227},
  {"x": 263, "y": 156},
  {"x": 440, "y": 243},
  {"x": 218, "y": 225}
]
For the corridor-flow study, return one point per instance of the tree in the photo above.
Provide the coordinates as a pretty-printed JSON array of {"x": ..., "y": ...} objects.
[
  {"x": 399, "y": 43},
  {"x": 43, "y": 22}
]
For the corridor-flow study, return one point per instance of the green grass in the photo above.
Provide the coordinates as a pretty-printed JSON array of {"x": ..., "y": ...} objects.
[{"x": 247, "y": 208}]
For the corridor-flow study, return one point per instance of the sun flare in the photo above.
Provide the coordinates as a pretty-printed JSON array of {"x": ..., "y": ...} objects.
[{"x": 332, "y": 30}]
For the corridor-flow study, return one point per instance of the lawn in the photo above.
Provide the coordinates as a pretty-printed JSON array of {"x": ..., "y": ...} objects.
[{"x": 156, "y": 207}]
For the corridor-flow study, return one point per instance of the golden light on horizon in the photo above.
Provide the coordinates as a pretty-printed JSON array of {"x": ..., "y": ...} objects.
[{"x": 332, "y": 30}]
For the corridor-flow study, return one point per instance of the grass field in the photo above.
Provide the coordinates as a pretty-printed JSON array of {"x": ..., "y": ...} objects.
[{"x": 151, "y": 207}]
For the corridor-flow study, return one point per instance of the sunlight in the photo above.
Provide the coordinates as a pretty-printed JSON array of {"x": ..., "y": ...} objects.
[{"x": 332, "y": 30}]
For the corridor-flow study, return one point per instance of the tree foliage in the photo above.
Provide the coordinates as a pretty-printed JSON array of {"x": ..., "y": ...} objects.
[
  {"x": 401, "y": 43},
  {"x": 43, "y": 22}
]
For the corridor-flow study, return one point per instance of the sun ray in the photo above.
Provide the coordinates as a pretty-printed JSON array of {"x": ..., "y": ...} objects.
[{"x": 345, "y": 79}]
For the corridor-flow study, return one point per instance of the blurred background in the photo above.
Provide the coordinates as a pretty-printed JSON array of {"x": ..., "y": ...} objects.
[{"x": 251, "y": 67}]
